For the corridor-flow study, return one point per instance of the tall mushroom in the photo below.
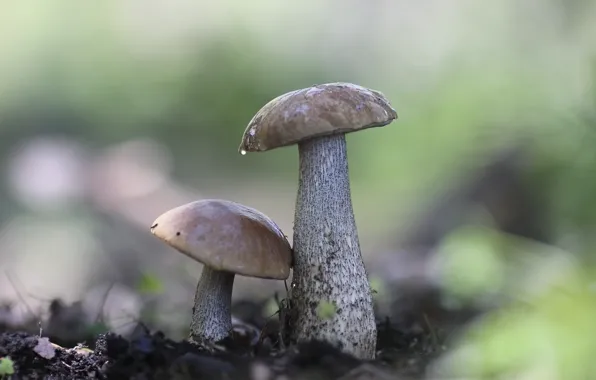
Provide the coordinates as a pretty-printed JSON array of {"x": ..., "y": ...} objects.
[
  {"x": 328, "y": 266},
  {"x": 229, "y": 239}
]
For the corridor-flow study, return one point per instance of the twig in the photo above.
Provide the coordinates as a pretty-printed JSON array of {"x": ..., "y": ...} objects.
[
  {"x": 99, "y": 317},
  {"x": 431, "y": 329},
  {"x": 19, "y": 295}
]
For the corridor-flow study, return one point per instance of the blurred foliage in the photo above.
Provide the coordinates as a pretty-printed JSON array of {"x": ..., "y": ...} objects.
[
  {"x": 97, "y": 328},
  {"x": 479, "y": 265},
  {"x": 473, "y": 267},
  {"x": 541, "y": 303},
  {"x": 271, "y": 308},
  {"x": 93, "y": 82},
  {"x": 6, "y": 367},
  {"x": 149, "y": 284},
  {"x": 550, "y": 335},
  {"x": 378, "y": 288}
]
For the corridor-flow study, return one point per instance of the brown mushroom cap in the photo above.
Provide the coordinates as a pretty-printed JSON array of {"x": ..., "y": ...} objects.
[
  {"x": 227, "y": 236},
  {"x": 320, "y": 110}
]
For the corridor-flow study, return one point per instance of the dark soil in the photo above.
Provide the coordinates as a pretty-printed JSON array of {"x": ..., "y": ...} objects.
[{"x": 245, "y": 355}]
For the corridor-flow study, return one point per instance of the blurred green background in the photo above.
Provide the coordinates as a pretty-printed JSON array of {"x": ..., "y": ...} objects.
[{"x": 113, "y": 112}]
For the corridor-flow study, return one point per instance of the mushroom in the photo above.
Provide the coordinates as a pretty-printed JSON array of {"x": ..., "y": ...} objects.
[
  {"x": 328, "y": 266},
  {"x": 228, "y": 239}
]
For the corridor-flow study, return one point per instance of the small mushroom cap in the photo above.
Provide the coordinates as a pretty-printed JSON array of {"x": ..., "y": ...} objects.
[
  {"x": 321, "y": 110},
  {"x": 227, "y": 236}
]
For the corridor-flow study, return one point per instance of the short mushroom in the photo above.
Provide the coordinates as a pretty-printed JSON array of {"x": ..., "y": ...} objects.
[
  {"x": 228, "y": 239},
  {"x": 328, "y": 266}
]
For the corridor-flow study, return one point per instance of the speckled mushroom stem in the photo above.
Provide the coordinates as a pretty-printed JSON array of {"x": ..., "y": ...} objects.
[
  {"x": 211, "y": 313},
  {"x": 328, "y": 264}
]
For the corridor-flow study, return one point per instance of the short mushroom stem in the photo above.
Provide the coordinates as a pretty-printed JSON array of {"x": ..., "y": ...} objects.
[
  {"x": 328, "y": 264},
  {"x": 211, "y": 313}
]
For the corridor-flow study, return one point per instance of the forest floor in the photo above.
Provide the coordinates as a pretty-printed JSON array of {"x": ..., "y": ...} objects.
[{"x": 402, "y": 353}]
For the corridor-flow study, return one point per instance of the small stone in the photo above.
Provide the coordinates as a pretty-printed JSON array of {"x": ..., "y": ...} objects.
[
  {"x": 44, "y": 348},
  {"x": 260, "y": 371}
]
